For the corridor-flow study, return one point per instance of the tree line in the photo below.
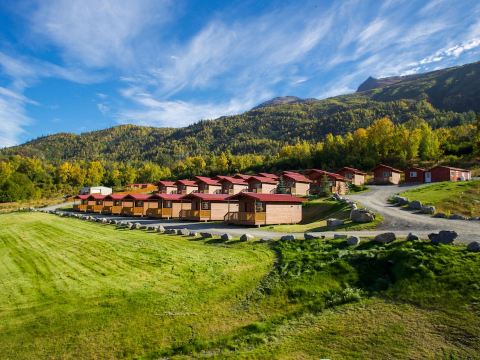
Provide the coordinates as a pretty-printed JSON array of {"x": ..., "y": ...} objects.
[{"x": 407, "y": 143}]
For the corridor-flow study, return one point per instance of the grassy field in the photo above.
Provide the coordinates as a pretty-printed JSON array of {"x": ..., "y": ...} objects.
[
  {"x": 315, "y": 215},
  {"x": 450, "y": 197},
  {"x": 73, "y": 289},
  {"x": 12, "y": 206}
]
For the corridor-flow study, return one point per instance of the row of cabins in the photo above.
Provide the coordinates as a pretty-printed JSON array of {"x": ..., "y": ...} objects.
[
  {"x": 384, "y": 174},
  {"x": 294, "y": 183},
  {"x": 243, "y": 208}
]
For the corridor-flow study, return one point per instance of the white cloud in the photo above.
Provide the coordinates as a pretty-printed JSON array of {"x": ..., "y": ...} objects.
[
  {"x": 98, "y": 33},
  {"x": 12, "y": 116}
]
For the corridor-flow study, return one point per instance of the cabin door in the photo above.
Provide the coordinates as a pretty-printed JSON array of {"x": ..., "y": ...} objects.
[{"x": 428, "y": 177}]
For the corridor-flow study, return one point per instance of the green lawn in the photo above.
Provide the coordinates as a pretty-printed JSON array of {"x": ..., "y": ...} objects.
[
  {"x": 74, "y": 289},
  {"x": 315, "y": 215},
  {"x": 450, "y": 197}
]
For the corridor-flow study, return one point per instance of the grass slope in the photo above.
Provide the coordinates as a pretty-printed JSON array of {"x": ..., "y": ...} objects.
[
  {"x": 72, "y": 289},
  {"x": 315, "y": 215},
  {"x": 450, "y": 197}
]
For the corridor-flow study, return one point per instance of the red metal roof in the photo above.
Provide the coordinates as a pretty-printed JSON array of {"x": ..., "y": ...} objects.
[
  {"x": 267, "y": 197},
  {"x": 115, "y": 197},
  {"x": 353, "y": 170},
  {"x": 387, "y": 167},
  {"x": 268, "y": 175},
  {"x": 138, "y": 196},
  {"x": 207, "y": 180},
  {"x": 242, "y": 176},
  {"x": 232, "y": 180},
  {"x": 296, "y": 177},
  {"x": 449, "y": 167},
  {"x": 263, "y": 179},
  {"x": 186, "y": 182},
  {"x": 319, "y": 173},
  {"x": 166, "y": 183},
  {"x": 206, "y": 197},
  {"x": 415, "y": 168},
  {"x": 170, "y": 197},
  {"x": 96, "y": 196},
  {"x": 81, "y": 197}
]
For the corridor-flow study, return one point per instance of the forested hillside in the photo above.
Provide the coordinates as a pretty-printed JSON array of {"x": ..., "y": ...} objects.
[{"x": 443, "y": 98}]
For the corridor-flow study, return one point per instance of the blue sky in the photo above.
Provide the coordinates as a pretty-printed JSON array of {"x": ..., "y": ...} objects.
[{"x": 76, "y": 66}]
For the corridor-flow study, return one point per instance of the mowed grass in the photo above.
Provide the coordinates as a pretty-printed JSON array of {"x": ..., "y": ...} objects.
[
  {"x": 315, "y": 214},
  {"x": 450, "y": 197},
  {"x": 72, "y": 289}
]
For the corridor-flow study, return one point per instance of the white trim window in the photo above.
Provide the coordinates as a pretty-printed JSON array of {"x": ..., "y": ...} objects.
[{"x": 413, "y": 174}]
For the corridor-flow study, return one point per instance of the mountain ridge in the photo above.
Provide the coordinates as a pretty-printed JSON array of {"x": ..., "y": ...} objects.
[{"x": 444, "y": 97}]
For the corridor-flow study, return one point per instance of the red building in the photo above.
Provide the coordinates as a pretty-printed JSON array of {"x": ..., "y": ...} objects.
[
  {"x": 356, "y": 176},
  {"x": 336, "y": 182},
  {"x": 414, "y": 175},
  {"x": 447, "y": 173}
]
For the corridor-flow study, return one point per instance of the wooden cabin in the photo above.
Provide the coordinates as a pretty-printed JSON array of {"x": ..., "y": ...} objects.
[
  {"x": 208, "y": 207},
  {"x": 112, "y": 204},
  {"x": 296, "y": 183},
  {"x": 262, "y": 185},
  {"x": 135, "y": 204},
  {"x": 186, "y": 186},
  {"x": 82, "y": 205},
  {"x": 95, "y": 203},
  {"x": 384, "y": 174},
  {"x": 269, "y": 175},
  {"x": 166, "y": 206},
  {"x": 232, "y": 185},
  {"x": 321, "y": 180},
  {"x": 208, "y": 185},
  {"x": 167, "y": 187},
  {"x": 265, "y": 209},
  {"x": 414, "y": 175},
  {"x": 447, "y": 173},
  {"x": 356, "y": 177}
]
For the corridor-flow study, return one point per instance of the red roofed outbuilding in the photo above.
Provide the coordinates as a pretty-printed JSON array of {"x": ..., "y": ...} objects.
[
  {"x": 232, "y": 185},
  {"x": 265, "y": 209},
  {"x": 208, "y": 185},
  {"x": 414, "y": 175},
  {"x": 262, "y": 184},
  {"x": 296, "y": 183},
  {"x": 357, "y": 177},
  {"x": 166, "y": 206},
  {"x": 186, "y": 186},
  {"x": 384, "y": 174},
  {"x": 112, "y": 204},
  {"x": 167, "y": 187},
  {"x": 336, "y": 183},
  {"x": 449, "y": 173}
]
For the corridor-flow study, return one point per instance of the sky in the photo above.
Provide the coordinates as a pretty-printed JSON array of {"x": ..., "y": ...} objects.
[{"x": 77, "y": 66}]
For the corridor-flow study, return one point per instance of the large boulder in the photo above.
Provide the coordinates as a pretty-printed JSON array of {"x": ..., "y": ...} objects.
[
  {"x": 287, "y": 237},
  {"x": 170, "y": 231},
  {"x": 385, "y": 238},
  {"x": 310, "y": 236},
  {"x": 399, "y": 200},
  {"x": 206, "y": 235},
  {"x": 226, "y": 237},
  {"x": 185, "y": 232},
  {"x": 412, "y": 237},
  {"x": 361, "y": 216},
  {"x": 246, "y": 237},
  {"x": 334, "y": 222},
  {"x": 353, "y": 240},
  {"x": 415, "y": 205},
  {"x": 440, "y": 215},
  {"x": 160, "y": 229},
  {"x": 474, "y": 246},
  {"x": 443, "y": 237},
  {"x": 428, "y": 209},
  {"x": 457, "y": 217},
  {"x": 193, "y": 234}
]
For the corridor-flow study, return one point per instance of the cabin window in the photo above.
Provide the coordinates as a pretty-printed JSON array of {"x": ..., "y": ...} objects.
[
  {"x": 205, "y": 206},
  {"x": 84, "y": 202},
  {"x": 117, "y": 203},
  {"x": 259, "y": 206},
  {"x": 413, "y": 174},
  {"x": 99, "y": 202},
  {"x": 387, "y": 174},
  {"x": 138, "y": 203},
  {"x": 349, "y": 175},
  {"x": 167, "y": 204}
]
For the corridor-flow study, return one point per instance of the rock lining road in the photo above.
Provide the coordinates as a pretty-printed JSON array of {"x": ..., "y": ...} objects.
[{"x": 396, "y": 220}]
